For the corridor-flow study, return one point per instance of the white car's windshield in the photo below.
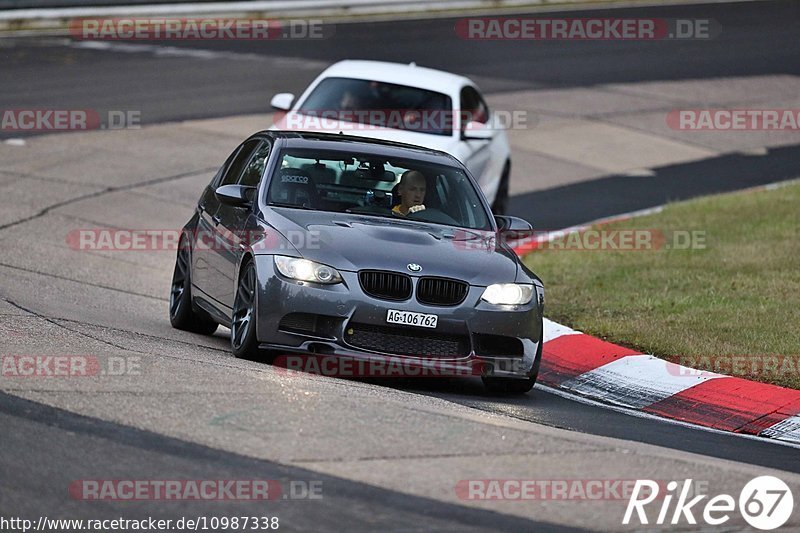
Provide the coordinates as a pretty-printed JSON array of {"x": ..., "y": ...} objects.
[
  {"x": 377, "y": 186},
  {"x": 381, "y": 104}
]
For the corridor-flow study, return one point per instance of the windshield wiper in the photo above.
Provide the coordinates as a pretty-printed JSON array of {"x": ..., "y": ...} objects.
[{"x": 293, "y": 206}]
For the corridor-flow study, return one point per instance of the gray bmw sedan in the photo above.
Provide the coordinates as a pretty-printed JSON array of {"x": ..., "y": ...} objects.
[{"x": 310, "y": 244}]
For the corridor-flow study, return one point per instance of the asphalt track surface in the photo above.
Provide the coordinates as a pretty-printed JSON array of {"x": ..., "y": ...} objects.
[
  {"x": 759, "y": 38},
  {"x": 57, "y": 444}
]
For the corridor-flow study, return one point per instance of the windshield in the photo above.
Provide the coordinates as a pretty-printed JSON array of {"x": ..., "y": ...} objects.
[
  {"x": 381, "y": 104},
  {"x": 404, "y": 189}
]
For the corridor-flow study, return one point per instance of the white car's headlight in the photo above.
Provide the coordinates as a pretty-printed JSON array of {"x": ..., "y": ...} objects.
[
  {"x": 305, "y": 270},
  {"x": 508, "y": 294}
]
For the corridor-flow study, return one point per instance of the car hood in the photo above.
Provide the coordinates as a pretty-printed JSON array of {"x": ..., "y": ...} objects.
[
  {"x": 357, "y": 242},
  {"x": 294, "y": 121}
]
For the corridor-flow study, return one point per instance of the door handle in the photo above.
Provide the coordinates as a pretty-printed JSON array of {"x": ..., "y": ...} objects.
[{"x": 216, "y": 220}]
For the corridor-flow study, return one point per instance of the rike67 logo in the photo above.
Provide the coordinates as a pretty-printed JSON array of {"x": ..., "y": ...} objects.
[{"x": 765, "y": 503}]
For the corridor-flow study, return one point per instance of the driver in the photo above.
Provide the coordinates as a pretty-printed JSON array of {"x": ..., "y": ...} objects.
[
  {"x": 412, "y": 193},
  {"x": 350, "y": 101}
]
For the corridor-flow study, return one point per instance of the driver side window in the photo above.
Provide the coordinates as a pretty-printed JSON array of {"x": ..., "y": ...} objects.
[
  {"x": 237, "y": 166},
  {"x": 255, "y": 168},
  {"x": 473, "y": 108}
]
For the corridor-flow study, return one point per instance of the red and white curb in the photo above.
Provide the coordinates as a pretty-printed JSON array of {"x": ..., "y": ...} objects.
[{"x": 589, "y": 367}]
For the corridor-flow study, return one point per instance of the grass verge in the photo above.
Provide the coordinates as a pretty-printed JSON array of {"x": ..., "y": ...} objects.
[{"x": 718, "y": 289}]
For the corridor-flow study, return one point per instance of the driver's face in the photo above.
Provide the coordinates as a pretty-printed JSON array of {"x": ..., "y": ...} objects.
[
  {"x": 349, "y": 101},
  {"x": 412, "y": 192}
]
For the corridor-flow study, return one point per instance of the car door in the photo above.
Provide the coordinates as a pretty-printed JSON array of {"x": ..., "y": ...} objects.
[
  {"x": 477, "y": 152},
  {"x": 203, "y": 237},
  {"x": 231, "y": 235},
  {"x": 208, "y": 238}
]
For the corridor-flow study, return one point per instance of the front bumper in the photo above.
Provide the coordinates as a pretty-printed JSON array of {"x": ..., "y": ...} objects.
[{"x": 341, "y": 320}]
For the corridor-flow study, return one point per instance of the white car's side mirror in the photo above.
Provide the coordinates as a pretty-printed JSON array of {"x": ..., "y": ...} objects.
[
  {"x": 282, "y": 101},
  {"x": 477, "y": 131}
]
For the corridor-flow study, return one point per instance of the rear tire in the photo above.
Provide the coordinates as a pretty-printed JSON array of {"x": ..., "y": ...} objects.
[
  {"x": 500, "y": 204},
  {"x": 511, "y": 386},
  {"x": 181, "y": 313}
]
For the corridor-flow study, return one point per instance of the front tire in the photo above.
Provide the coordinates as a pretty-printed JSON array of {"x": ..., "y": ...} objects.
[
  {"x": 181, "y": 314},
  {"x": 244, "y": 343}
]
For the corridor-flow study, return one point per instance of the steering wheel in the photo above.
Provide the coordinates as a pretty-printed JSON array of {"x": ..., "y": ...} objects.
[{"x": 433, "y": 215}]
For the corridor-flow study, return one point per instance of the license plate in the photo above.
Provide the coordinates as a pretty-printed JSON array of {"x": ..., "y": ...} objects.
[{"x": 407, "y": 318}]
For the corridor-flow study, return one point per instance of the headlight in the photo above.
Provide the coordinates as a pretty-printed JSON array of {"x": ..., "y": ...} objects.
[
  {"x": 305, "y": 270},
  {"x": 508, "y": 294}
]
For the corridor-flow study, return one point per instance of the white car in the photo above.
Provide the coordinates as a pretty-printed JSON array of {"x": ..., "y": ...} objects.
[{"x": 408, "y": 104}]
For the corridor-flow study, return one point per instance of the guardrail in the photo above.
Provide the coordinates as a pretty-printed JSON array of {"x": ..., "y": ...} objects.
[
  {"x": 38, "y": 4},
  {"x": 55, "y": 20},
  {"x": 54, "y": 15},
  {"x": 57, "y": 8}
]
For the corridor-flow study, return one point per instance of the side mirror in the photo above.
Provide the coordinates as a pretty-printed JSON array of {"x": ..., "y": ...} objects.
[
  {"x": 507, "y": 223},
  {"x": 236, "y": 195},
  {"x": 477, "y": 131},
  {"x": 511, "y": 229},
  {"x": 282, "y": 101}
]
